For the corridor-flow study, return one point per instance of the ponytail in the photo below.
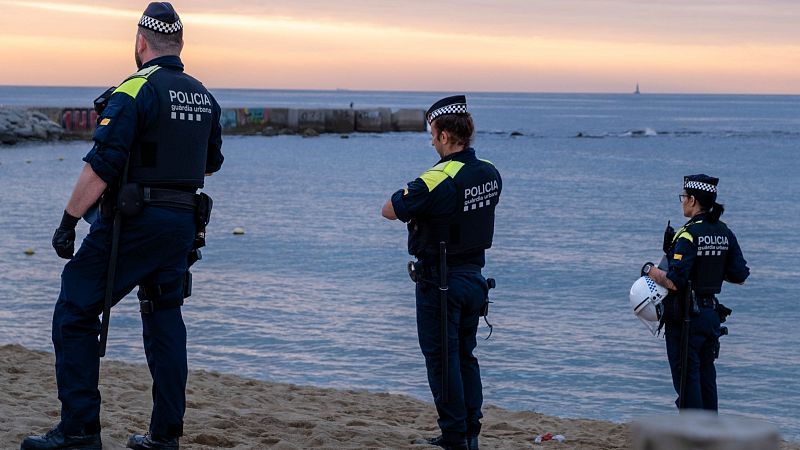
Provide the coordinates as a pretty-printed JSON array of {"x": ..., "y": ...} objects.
[
  {"x": 715, "y": 212},
  {"x": 708, "y": 203}
]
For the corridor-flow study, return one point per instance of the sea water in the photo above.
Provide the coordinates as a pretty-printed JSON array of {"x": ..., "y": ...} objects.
[{"x": 316, "y": 291}]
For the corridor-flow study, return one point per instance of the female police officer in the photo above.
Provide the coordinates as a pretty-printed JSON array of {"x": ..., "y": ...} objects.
[
  {"x": 453, "y": 202},
  {"x": 705, "y": 252}
]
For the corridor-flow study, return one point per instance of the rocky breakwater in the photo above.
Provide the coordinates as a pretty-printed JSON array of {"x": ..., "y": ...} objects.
[{"x": 17, "y": 124}]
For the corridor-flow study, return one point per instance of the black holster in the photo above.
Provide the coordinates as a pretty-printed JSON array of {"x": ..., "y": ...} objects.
[
  {"x": 130, "y": 200},
  {"x": 155, "y": 297},
  {"x": 490, "y": 284},
  {"x": 723, "y": 312},
  {"x": 202, "y": 216},
  {"x": 421, "y": 274}
]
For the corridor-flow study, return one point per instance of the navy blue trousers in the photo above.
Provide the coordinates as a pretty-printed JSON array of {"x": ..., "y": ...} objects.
[
  {"x": 701, "y": 375},
  {"x": 460, "y": 415},
  {"x": 153, "y": 246}
]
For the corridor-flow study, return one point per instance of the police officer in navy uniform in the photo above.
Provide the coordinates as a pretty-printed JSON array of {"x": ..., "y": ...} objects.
[
  {"x": 163, "y": 127},
  {"x": 453, "y": 202},
  {"x": 704, "y": 252}
]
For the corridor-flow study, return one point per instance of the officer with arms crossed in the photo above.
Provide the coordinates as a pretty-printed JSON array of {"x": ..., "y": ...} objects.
[
  {"x": 160, "y": 131},
  {"x": 454, "y": 203},
  {"x": 706, "y": 253}
]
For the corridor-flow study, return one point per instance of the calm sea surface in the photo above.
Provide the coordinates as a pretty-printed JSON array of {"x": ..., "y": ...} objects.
[{"x": 316, "y": 291}]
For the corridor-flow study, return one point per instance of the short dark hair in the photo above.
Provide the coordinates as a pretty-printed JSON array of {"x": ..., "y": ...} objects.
[
  {"x": 459, "y": 126},
  {"x": 163, "y": 44}
]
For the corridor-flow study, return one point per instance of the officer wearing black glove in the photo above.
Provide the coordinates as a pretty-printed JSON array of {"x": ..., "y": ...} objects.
[
  {"x": 64, "y": 237},
  {"x": 159, "y": 133}
]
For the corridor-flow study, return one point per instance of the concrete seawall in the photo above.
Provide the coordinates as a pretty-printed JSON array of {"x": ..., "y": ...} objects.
[
  {"x": 79, "y": 123},
  {"x": 277, "y": 120}
]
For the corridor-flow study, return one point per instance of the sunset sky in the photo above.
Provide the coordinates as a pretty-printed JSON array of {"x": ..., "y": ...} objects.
[{"x": 704, "y": 46}]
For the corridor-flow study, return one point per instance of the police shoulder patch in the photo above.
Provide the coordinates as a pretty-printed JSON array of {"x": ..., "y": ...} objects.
[
  {"x": 134, "y": 83},
  {"x": 440, "y": 172},
  {"x": 433, "y": 178},
  {"x": 132, "y": 86},
  {"x": 105, "y": 121}
]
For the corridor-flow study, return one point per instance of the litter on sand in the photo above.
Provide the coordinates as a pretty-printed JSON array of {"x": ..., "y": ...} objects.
[{"x": 548, "y": 437}]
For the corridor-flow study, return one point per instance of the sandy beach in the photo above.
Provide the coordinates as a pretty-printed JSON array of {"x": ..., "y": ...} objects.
[{"x": 226, "y": 411}]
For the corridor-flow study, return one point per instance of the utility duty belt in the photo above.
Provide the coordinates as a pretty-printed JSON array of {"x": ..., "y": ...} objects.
[
  {"x": 170, "y": 197},
  {"x": 130, "y": 202},
  {"x": 673, "y": 309},
  {"x": 706, "y": 301},
  {"x": 133, "y": 197},
  {"x": 421, "y": 273},
  {"x": 425, "y": 271}
]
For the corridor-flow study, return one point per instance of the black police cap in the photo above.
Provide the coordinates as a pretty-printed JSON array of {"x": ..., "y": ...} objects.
[
  {"x": 161, "y": 18},
  {"x": 701, "y": 182},
  {"x": 456, "y": 104}
]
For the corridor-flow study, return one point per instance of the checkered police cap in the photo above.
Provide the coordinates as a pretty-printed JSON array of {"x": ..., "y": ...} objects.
[
  {"x": 161, "y": 18},
  {"x": 456, "y": 104},
  {"x": 701, "y": 182}
]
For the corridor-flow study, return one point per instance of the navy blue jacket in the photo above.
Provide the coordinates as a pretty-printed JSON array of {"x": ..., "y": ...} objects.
[
  {"x": 434, "y": 196},
  {"x": 683, "y": 255},
  {"x": 133, "y": 115}
]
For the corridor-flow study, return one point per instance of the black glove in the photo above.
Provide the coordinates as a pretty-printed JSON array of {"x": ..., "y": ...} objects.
[
  {"x": 669, "y": 235},
  {"x": 648, "y": 263},
  {"x": 64, "y": 237}
]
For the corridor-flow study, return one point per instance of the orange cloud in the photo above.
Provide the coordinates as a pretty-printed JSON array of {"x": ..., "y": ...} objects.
[{"x": 94, "y": 46}]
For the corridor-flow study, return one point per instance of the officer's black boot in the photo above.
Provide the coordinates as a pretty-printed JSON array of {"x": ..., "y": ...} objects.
[
  {"x": 150, "y": 442},
  {"x": 447, "y": 445},
  {"x": 472, "y": 442},
  {"x": 55, "y": 439}
]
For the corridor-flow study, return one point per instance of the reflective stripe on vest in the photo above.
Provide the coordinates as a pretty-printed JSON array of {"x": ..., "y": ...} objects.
[
  {"x": 134, "y": 83},
  {"x": 438, "y": 173},
  {"x": 684, "y": 233},
  {"x": 471, "y": 226}
]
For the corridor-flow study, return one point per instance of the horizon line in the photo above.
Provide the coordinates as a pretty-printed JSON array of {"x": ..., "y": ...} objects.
[{"x": 410, "y": 91}]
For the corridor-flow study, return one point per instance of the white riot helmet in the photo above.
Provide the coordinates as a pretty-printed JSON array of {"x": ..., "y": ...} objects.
[{"x": 646, "y": 297}]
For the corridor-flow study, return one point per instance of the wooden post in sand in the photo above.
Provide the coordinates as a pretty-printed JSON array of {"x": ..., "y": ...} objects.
[{"x": 696, "y": 430}]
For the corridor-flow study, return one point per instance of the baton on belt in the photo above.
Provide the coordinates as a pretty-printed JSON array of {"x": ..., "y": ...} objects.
[
  {"x": 112, "y": 271},
  {"x": 112, "y": 268},
  {"x": 685, "y": 345},
  {"x": 443, "y": 299}
]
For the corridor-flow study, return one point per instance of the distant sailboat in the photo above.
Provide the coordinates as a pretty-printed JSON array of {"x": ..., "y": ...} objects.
[{"x": 637, "y": 89}]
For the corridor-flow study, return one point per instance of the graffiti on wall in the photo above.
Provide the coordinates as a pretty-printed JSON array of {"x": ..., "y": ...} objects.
[
  {"x": 228, "y": 119},
  {"x": 248, "y": 116},
  {"x": 242, "y": 117},
  {"x": 79, "y": 119}
]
